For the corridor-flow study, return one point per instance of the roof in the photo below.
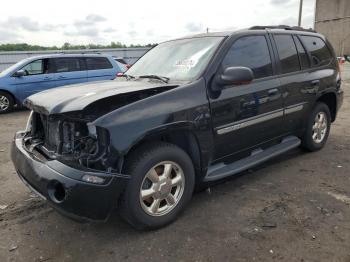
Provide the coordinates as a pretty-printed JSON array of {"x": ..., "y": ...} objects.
[
  {"x": 66, "y": 55},
  {"x": 279, "y": 28}
]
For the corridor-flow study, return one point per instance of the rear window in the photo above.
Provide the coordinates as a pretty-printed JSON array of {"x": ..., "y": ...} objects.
[
  {"x": 95, "y": 63},
  {"x": 287, "y": 53},
  {"x": 121, "y": 60},
  {"x": 67, "y": 64},
  {"x": 320, "y": 54}
]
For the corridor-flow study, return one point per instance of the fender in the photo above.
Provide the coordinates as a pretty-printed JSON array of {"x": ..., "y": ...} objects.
[
  {"x": 15, "y": 99},
  {"x": 327, "y": 91},
  {"x": 333, "y": 98},
  {"x": 182, "y": 108}
]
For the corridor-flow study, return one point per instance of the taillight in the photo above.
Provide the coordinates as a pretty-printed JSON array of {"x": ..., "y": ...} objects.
[
  {"x": 339, "y": 74},
  {"x": 339, "y": 67},
  {"x": 120, "y": 74}
]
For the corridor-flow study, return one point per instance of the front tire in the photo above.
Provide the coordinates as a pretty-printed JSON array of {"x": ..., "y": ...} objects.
[
  {"x": 6, "y": 102},
  {"x": 161, "y": 184},
  {"x": 318, "y": 127}
]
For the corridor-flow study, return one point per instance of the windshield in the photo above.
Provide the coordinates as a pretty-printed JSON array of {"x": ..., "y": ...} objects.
[
  {"x": 13, "y": 67},
  {"x": 180, "y": 60}
]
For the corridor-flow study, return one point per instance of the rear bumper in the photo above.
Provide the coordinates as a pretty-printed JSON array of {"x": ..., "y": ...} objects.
[
  {"x": 61, "y": 185},
  {"x": 340, "y": 99}
]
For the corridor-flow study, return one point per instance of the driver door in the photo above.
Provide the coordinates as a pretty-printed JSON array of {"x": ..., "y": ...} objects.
[
  {"x": 249, "y": 114},
  {"x": 37, "y": 78}
]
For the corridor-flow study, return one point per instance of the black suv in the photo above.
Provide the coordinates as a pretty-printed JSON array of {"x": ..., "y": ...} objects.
[{"x": 190, "y": 111}]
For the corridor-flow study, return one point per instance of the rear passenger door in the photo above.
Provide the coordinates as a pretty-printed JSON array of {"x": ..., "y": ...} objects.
[
  {"x": 69, "y": 70},
  {"x": 300, "y": 76},
  {"x": 246, "y": 115},
  {"x": 100, "y": 68}
]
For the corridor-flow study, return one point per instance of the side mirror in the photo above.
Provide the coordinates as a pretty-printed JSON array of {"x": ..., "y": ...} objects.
[
  {"x": 235, "y": 76},
  {"x": 19, "y": 73}
]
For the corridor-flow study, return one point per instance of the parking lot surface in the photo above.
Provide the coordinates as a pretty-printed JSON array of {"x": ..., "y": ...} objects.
[{"x": 293, "y": 208}]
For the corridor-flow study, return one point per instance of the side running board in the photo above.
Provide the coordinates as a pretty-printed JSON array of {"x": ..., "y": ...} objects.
[{"x": 257, "y": 157}]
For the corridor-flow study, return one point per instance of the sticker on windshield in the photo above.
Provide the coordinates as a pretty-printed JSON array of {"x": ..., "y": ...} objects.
[{"x": 188, "y": 63}]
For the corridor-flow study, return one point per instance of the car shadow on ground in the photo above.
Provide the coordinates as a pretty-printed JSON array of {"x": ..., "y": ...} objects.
[{"x": 200, "y": 198}]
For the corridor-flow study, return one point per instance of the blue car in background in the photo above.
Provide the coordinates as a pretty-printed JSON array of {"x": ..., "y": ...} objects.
[{"x": 40, "y": 73}]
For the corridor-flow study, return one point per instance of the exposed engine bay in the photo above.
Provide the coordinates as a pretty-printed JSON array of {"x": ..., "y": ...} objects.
[
  {"x": 70, "y": 141},
  {"x": 71, "y": 138}
]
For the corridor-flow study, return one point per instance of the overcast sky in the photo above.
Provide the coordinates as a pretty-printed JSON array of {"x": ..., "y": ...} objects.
[{"x": 47, "y": 22}]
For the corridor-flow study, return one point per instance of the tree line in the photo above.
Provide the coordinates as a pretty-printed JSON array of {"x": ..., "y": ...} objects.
[{"x": 66, "y": 46}]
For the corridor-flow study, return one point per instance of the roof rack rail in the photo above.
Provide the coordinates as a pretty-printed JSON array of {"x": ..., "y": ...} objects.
[
  {"x": 285, "y": 27},
  {"x": 79, "y": 52}
]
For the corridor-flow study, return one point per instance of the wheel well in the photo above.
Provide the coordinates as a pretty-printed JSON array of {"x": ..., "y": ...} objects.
[
  {"x": 186, "y": 140},
  {"x": 331, "y": 101},
  {"x": 7, "y": 92}
]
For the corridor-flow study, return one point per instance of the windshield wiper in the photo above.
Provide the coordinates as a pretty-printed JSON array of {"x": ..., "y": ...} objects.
[{"x": 162, "y": 78}]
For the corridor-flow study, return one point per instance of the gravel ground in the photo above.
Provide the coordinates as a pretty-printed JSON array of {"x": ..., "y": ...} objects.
[{"x": 294, "y": 208}]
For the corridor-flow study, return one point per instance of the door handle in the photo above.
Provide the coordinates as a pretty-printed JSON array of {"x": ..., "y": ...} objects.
[
  {"x": 272, "y": 92},
  {"x": 47, "y": 78},
  {"x": 62, "y": 77}
]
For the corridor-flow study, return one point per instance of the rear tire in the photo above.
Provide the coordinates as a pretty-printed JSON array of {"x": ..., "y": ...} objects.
[
  {"x": 6, "y": 102},
  {"x": 318, "y": 127},
  {"x": 161, "y": 185}
]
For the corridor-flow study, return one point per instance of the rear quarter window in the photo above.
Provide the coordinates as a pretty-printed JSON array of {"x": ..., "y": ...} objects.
[
  {"x": 96, "y": 63},
  {"x": 320, "y": 54},
  {"x": 303, "y": 56}
]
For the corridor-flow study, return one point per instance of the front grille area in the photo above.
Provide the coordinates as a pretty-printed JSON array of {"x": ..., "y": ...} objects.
[
  {"x": 49, "y": 131},
  {"x": 59, "y": 135},
  {"x": 68, "y": 140}
]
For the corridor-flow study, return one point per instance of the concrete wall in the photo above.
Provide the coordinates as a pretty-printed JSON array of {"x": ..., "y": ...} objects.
[
  {"x": 333, "y": 20},
  {"x": 130, "y": 54}
]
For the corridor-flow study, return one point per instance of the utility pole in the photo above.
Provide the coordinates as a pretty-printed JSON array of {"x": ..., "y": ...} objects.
[{"x": 300, "y": 12}]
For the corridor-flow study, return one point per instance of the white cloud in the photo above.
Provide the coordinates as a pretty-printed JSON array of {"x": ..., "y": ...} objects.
[
  {"x": 23, "y": 22},
  {"x": 194, "y": 27},
  {"x": 281, "y": 2},
  {"x": 6, "y": 36},
  {"x": 138, "y": 21},
  {"x": 90, "y": 20}
]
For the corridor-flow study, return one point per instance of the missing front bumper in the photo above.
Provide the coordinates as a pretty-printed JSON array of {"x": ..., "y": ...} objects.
[{"x": 62, "y": 186}]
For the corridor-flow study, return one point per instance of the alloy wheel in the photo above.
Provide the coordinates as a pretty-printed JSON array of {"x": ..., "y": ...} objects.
[
  {"x": 4, "y": 103},
  {"x": 319, "y": 129},
  {"x": 162, "y": 188}
]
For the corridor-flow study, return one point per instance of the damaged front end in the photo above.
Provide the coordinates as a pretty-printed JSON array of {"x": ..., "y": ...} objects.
[
  {"x": 72, "y": 141},
  {"x": 69, "y": 162},
  {"x": 63, "y": 130},
  {"x": 66, "y": 156}
]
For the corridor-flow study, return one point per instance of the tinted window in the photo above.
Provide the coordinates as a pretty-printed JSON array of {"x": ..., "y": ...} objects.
[
  {"x": 95, "y": 63},
  {"x": 34, "y": 68},
  {"x": 303, "y": 57},
  {"x": 287, "y": 53},
  {"x": 251, "y": 52},
  {"x": 67, "y": 64},
  {"x": 121, "y": 60},
  {"x": 320, "y": 54}
]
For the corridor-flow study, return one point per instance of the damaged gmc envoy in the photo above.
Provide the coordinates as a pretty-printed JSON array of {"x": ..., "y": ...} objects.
[{"x": 189, "y": 112}]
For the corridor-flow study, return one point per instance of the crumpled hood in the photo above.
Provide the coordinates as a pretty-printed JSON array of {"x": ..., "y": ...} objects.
[{"x": 77, "y": 97}]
